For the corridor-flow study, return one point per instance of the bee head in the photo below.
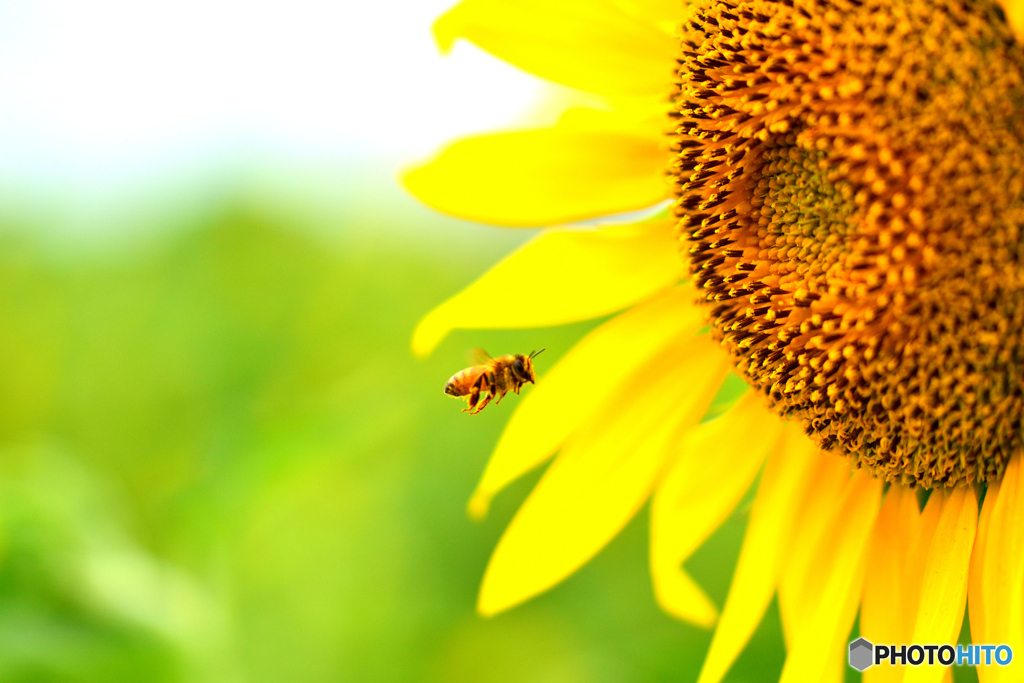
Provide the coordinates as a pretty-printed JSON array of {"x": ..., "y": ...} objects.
[{"x": 522, "y": 367}]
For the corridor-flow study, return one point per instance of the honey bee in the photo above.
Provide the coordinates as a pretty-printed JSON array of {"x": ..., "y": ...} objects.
[{"x": 491, "y": 378}]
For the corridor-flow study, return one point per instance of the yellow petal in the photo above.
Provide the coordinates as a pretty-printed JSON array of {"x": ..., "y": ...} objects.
[
  {"x": 890, "y": 591},
  {"x": 841, "y": 558},
  {"x": 728, "y": 452},
  {"x": 603, "y": 475},
  {"x": 581, "y": 382},
  {"x": 919, "y": 547},
  {"x": 1015, "y": 16},
  {"x": 835, "y": 670},
  {"x": 976, "y": 584},
  {"x": 772, "y": 518},
  {"x": 801, "y": 579},
  {"x": 561, "y": 276},
  {"x": 586, "y": 44},
  {"x": 1002, "y": 580},
  {"x": 944, "y": 590},
  {"x": 667, "y": 14},
  {"x": 683, "y": 598},
  {"x": 901, "y": 543},
  {"x": 572, "y": 171}
]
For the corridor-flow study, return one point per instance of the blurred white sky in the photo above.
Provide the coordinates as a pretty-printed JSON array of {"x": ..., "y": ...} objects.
[{"x": 104, "y": 94}]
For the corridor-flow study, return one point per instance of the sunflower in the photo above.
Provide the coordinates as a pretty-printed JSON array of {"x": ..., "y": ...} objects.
[{"x": 845, "y": 191}]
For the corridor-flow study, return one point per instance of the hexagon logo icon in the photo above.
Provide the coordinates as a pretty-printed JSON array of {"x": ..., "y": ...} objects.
[{"x": 861, "y": 654}]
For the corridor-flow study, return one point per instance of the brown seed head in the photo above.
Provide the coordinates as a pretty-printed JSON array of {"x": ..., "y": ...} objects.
[{"x": 850, "y": 176}]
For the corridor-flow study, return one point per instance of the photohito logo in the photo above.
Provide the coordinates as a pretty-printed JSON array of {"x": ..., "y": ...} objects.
[
  {"x": 861, "y": 654},
  {"x": 864, "y": 655}
]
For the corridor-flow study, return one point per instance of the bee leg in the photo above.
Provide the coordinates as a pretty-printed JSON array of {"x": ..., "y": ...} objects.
[
  {"x": 472, "y": 397},
  {"x": 483, "y": 403},
  {"x": 499, "y": 398},
  {"x": 478, "y": 390}
]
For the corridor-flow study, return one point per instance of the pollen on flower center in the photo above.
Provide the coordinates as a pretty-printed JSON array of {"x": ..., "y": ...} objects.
[{"x": 850, "y": 176}]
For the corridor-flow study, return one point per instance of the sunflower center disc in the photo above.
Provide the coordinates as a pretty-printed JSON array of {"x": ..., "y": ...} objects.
[{"x": 850, "y": 178}]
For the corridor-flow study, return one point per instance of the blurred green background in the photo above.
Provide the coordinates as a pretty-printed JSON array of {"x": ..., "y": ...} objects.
[{"x": 220, "y": 461}]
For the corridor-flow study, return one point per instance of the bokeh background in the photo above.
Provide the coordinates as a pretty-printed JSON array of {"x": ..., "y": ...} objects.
[{"x": 218, "y": 459}]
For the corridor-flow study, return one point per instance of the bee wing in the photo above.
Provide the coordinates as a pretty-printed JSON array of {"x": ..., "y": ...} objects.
[{"x": 479, "y": 357}]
